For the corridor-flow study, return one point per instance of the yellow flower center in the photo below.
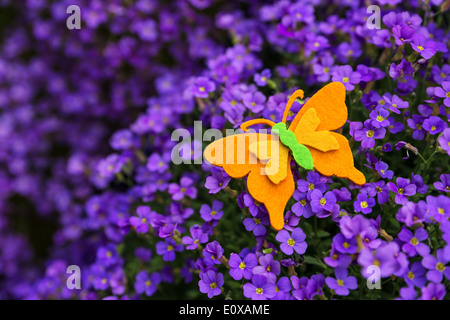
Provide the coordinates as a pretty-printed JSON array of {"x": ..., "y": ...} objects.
[
  {"x": 447, "y": 94},
  {"x": 410, "y": 275},
  {"x": 213, "y": 213},
  {"x": 346, "y": 245},
  {"x": 414, "y": 241},
  {"x": 401, "y": 191},
  {"x": 433, "y": 128},
  {"x": 202, "y": 89},
  {"x": 420, "y": 48},
  {"x": 326, "y": 70},
  {"x": 364, "y": 204},
  {"x": 380, "y": 118},
  {"x": 259, "y": 290},
  {"x": 291, "y": 242},
  {"x": 148, "y": 283},
  {"x": 311, "y": 186},
  {"x": 340, "y": 282},
  {"x": 377, "y": 262},
  {"x": 303, "y": 202},
  {"x": 257, "y": 221},
  {"x": 242, "y": 265},
  {"x": 440, "y": 267},
  {"x": 345, "y": 79},
  {"x": 213, "y": 285},
  {"x": 323, "y": 201},
  {"x": 169, "y": 248},
  {"x": 370, "y": 133}
]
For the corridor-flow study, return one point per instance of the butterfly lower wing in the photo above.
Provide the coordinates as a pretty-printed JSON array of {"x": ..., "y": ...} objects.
[
  {"x": 337, "y": 162},
  {"x": 233, "y": 154},
  {"x": 329, "y": 104}
]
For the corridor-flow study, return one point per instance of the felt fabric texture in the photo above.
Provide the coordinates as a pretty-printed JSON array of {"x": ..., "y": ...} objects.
[
  {"x": 330, "y": 113},
  {"x": 244, "y": 126},
  {"x": 227, "y": 151},
  {"x": 329, "y": 103},
  {"x": 275, "y": 156},
  {"x": 311, "y": 140},
  {"x": 300, "y": 153}
]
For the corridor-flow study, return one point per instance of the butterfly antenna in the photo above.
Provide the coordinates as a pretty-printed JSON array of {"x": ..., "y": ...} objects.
[
  {"x": 249, "y": 123},
  {"x": 294, "y": 96}
]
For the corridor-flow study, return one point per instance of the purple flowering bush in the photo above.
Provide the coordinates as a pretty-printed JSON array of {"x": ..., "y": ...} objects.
[{"x": 86, "y": 170}]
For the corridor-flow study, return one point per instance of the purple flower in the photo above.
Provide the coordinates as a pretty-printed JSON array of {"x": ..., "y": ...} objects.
[
  {"x": 416, "y": 122},
  {"x": 382, "y": 191},
  {"x": 344, "y": 245},
  {"x": 262, "y": 78},
  {"x": 444, "y": 92},
  {"x": 439, "y": 207},
  {"x": 268, "y": 267},
  {"x": 434, "y": 125},
  {"x": 302, "y": 208},
  {"x": 212, "y": 252},
  {"x": 342, "y": 283},
  {"x": 422, "y": 188},
  {"x": 121, "y": 139},
  {"x": 313, "y": 181},
  {"x": 184, "y": 188},
  {"x": 256, "y": 224},
  {"x": 254, "y": 101},
  {"x": 197, "y": 237},
  {"x": 167, "y": 249},
  {"x": 320, "y": 201},
  {"x": 382, "y": 169},
  {"x": 402, "y": 34},
  {"x": 425, "y": 46},
  {"x": 259, "y": 289},
  {"x": 444, "y": 184},
  {"x": 242, "y": 267},
  {"x": 336, "y": 259},
  {"x": 407, "y": 293},
  {"x": 383, "y": 257},
  {"x": 217, "y": 181},
  {"x": 437, "y": 266},
  {"x": 380, "y": 118},
  {"x": 323, "y": 69},
  {"x": 282, "y": 289},
  {"x": 292, "y": 242},
  {"x": 433, "y": 291},
  {"x": 398, "y": 71},
  {"x": 202, "y": 87},
  {"x": 146, "y": 283},
  {"x": 394, "y": 103},
  {"x": 347, "y": 76},
  {"x": 212, "y": 213},
  {"x": 403, "y": 189},
  {"x": 444, "y": 140},
  {"x": 415, "y": 275},
  {"x": 156, "y": 163},
  {"x": 413, "y": 245},
  {"x": 141, "y": 222},
  {"x": 363, "y": 203},
  {"x": 107, "y": 255},
  {"x": 211, "y": 283},
  {"x": 368, "y": 134}
]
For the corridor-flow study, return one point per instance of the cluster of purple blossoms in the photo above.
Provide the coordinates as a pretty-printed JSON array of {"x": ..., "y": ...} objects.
[{"x": 86, "y": 170}]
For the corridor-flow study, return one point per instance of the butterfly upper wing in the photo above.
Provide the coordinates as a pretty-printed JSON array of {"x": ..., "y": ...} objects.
[
  {"x": 323, "y": 112},
  {"x": 233, "y": 154},
  {"x": 329, "y": 104}
]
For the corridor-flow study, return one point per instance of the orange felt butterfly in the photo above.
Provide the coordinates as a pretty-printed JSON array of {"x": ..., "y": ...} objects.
[{"x": 266, "y": 158}]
